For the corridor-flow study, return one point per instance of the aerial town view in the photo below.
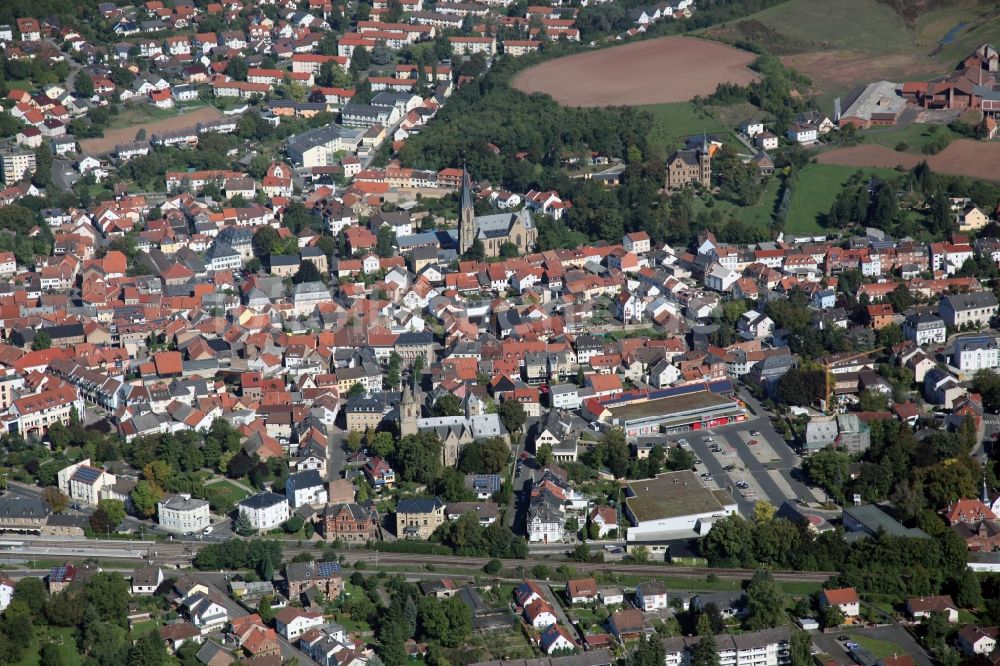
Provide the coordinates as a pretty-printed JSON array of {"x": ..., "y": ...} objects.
[{"x": 500, "y": 332}]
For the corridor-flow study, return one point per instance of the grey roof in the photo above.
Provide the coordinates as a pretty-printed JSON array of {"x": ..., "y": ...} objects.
[
  {"x": 497, "y": 225},
  {"x": 971, "y": 301},
  {"x": 309, "y": 479},
  {"x": 263, "y": 500},
  {"x": 419, "y": 505}
]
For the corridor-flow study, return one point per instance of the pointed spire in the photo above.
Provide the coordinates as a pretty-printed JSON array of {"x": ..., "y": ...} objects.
[
  {"x": 466, "y": 189},
  {"x": 986, "y": 493}
]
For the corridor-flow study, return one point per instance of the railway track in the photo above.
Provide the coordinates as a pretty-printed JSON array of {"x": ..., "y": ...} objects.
[{"x": 174, "y": 552}]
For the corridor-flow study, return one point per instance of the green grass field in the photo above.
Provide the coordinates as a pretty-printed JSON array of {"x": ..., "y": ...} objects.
[
  {"x": 838, "y": 24},
  {"x": 877, "y": 648},
  {"x": 62, "y": 637},
  {"x": 915, "y": 136},
  {"x": 235, "y": 493},
  {"x": 673, "y": 122},
  {"x": 758, "y": 215},
  {"x": 818, "y": 187}
]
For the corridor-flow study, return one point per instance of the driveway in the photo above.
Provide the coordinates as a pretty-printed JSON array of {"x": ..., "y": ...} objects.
[{"x": 893, "y": 634}]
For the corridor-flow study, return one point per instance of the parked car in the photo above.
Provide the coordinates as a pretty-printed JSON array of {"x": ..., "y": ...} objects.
[{"x": 752, "y": 442}]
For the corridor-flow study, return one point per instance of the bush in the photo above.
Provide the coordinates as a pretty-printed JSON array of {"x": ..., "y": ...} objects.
[
  {"x": 293, "y": 524},
  {"x": 493, "y": 567}
]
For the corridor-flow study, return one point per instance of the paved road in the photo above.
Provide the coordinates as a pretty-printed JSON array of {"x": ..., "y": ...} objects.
[
  {"x": 759, "y": 470},
  {"x": 892, "y": 633}
]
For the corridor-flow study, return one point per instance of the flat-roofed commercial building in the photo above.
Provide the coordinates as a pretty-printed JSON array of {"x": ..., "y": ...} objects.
[
  {"x": 673, "y": 503},
  {"x": 693, "y": 407}
]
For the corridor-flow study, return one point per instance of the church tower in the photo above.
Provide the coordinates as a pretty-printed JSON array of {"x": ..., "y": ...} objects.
[
  {"x": 466, "y": 216},
  {"x": 705, "y": 163},
  {"x": 409, "y": 413}
]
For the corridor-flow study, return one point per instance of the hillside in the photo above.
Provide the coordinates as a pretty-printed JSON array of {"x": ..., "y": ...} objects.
[{"x": 841, "y": 44}]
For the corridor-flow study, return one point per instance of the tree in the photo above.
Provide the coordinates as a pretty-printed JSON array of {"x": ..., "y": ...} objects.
[
  {"x": 108, "y": 595},
  {"x": 145, "y": 497},
  {"x": 705, "y": 652},
  {"x": 832, "y": 616},
  {"x": 801, "y": 649},
  {"x": 459, "y": 622},
  {"x": 728, "y": 542},
  {"x": 612, "y": 452},
  {"x": 492, "y": 568},
  {"x": 871, "y": 400},
  {"x": 763, "y": 511},
  {"x": 266, "y": 241},
  {"x": 237, "y": 68},
  {"x": 966, "y": 588},
  {"x": 307, "y": 273},
  {"x": 512, "y": 415},
  {"x": 382, "y": 444},
  {"x": 476, "y": 251},
  {"x": 149, "y": 650},
  {"x": 543, "y": 454},
  {"x": 265, "y": 610},
  {"x": 293, "y": 524},
  {"x": 450, "y": 487},
  {"x": 765, "y": 603},
  {"x": 418, "y": 457},
  {"x": 385, "y": 240},
  {"x": 243, "y": 526},
  {"x": 84, "y": 85},
  {"x": 649, "y": 652},
  {"x": 354, "y": 438},
  {"x": 357, "y": 389},
  {"x": 828, "y": 469},
  {"x": 448, "y": 405},
  {"x": 56, "y": 499},
  {"x": 109, "y": 515},
  {"x": 679, "y": 458},
  {"x": 41, "y": 341}
]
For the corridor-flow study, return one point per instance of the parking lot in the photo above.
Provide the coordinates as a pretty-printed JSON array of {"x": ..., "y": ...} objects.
[{"x": 761, "y": 470}]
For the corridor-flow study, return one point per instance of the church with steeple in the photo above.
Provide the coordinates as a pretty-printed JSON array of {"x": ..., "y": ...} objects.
[{"x": 493, "y": 231}]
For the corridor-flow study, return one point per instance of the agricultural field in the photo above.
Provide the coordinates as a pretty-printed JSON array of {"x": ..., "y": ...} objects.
[
  {"x": 964, "y": 157},
  {"x": 654, "y": 71},
  {"x": 843, "y": 44},
  {"x": 127, "y": 133}
]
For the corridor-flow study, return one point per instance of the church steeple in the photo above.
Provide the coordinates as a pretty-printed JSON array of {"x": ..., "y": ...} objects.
[
  {"x": 409, "y": 413},
  {"x": 985, "y": 499},
  {"x": 466, "y": 215}
]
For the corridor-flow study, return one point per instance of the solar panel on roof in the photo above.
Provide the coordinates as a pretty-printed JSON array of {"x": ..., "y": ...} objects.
[
  {"x": 87, "y": 474},
  {"x": 325, "y": 569},
  {"x": 57, "y": 573}
]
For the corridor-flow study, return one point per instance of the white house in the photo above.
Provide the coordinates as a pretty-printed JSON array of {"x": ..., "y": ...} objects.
[
  {"x": 305, "y": 488},
  {"x": 204, "y": 613},
  {"x": 651, "y": 596},
  {"x": 84, "y": 483},
  {"x": 265, "y": 511},
  {"x": 606, "y": 519},
  {"x": 6, "y": 591},
  {"x": 556, "y": 638},
  {"x": 540, "y": 614},
  {"x": 146, "y": 580},
  {"x": 182, "y": 513},
  {"x": 802, "y": 133},
  {"x": 292, "y": 622},
  {"x": 973, "y": 640},
  {"x": 922, "y": 607},
  {"x": 720, "y": 278},
  {"x": 637, "y": 242},
  {"x": 754, "y": 325},
  {"x": 977, "y": 352},
  {"x": 845, "y": 598},
  {"x": 767, "y": 141},
  {"x": 751, "y": 127}
]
